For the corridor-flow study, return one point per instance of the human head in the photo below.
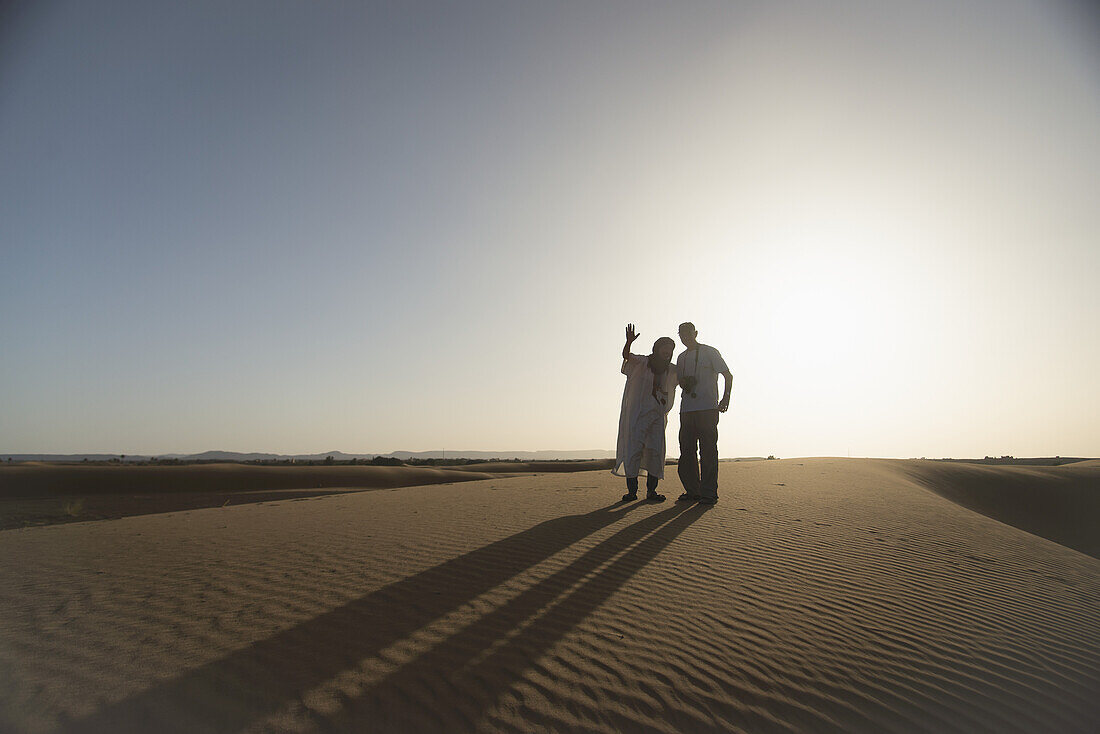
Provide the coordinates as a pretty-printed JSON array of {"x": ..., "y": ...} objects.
[
  {"x": 663, "y": 349},
  {"x": 688, "y": 334}
]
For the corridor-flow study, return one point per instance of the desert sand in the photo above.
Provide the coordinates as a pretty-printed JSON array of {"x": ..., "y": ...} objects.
[
  {"x": 818, "y": 595},
  {"x": 39, "y": 493},
  {"x": 44, "y": 493}
]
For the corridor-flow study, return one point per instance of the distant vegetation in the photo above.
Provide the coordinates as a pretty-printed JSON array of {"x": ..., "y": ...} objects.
[{"x": 1013, "y": 461}]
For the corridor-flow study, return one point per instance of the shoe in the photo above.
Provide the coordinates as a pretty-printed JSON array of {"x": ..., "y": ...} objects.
[
  {"x": 630, "y": 496},
  {"x": 688, "y": 497},
  {"x": 654, "y": 497},
  {"x": 708, "y": 500}
]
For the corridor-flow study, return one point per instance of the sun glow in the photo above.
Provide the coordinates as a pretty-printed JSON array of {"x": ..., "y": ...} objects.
[{"x": 820, "y": 325}]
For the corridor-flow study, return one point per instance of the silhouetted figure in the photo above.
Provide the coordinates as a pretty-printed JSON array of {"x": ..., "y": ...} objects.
[
  {"x": 647, "y": 398},
  {"x": 698, "y": 368}
]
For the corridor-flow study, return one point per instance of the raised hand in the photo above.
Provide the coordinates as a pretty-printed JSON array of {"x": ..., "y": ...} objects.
[{"x": 631, "y": 335}]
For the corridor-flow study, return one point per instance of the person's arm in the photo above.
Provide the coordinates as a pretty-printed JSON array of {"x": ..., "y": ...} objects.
[
  {"x": 681, "y": 379},
  {"x": 631, "y": 335},
  {"x": 724, "y": 403},
  {"x": 681, "y": 372},
  {"x": 672, "y": 388}
]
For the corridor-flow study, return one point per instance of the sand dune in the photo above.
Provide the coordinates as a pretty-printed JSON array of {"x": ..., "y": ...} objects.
[
  {"x": 1060, "y": 503},
  {"x": 36, "y": 493},
  {"x": 40, "y": 493},
  {"x": 35, "y": 479},
  {"x": 539, "y": 466},
  {"x": 819, "y": 595}
]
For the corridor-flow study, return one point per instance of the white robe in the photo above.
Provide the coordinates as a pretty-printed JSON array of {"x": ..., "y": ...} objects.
[{"x": 642, "y": 420}]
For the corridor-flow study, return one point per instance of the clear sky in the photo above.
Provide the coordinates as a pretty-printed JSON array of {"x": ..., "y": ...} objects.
[{"x": 299, "y": 226}]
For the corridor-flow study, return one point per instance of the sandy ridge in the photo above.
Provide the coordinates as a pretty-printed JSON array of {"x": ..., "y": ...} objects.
[{"x": 39, "y": 480}]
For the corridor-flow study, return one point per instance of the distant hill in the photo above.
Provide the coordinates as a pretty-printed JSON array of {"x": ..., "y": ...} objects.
[
  {"x": 336, "y": 455},
  {"x": 524, "y": 455}
]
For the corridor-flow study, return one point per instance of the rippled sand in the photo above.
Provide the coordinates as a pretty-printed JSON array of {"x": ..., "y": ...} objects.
[{"x": 818, "y": 595}]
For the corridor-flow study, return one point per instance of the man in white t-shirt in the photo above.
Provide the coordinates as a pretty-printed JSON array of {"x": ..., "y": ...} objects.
[{"x": 697, "y": 370}]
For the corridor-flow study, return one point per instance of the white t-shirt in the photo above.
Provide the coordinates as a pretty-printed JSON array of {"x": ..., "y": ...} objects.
[{"x": 705, "y": 364}]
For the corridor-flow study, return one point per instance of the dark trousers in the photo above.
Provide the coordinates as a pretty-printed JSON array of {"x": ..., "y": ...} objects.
[
  {"x": 650, "y": 483},
  {"x": 699, "y": 433}
]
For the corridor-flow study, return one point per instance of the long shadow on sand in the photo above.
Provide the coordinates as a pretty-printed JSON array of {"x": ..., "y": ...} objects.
[
  {"x": 479, "y": 664},
  {"x": 228, "y": 694}
]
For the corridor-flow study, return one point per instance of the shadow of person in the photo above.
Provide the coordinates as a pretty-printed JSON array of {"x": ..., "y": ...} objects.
[
  {"x": 227, "y": 694},
  {"x": 480, "y": 663}
]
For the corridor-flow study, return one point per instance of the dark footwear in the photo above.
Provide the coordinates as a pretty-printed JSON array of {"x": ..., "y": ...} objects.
[
  {"x": 630, "y": 496},
  {"x": 654, "y": 497},
  {"x": 708, "y": 500},
  {"x": 685, "y": 497}
]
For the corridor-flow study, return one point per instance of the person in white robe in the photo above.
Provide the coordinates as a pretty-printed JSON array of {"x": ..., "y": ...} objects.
[{"x": 647, "y": 399}]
